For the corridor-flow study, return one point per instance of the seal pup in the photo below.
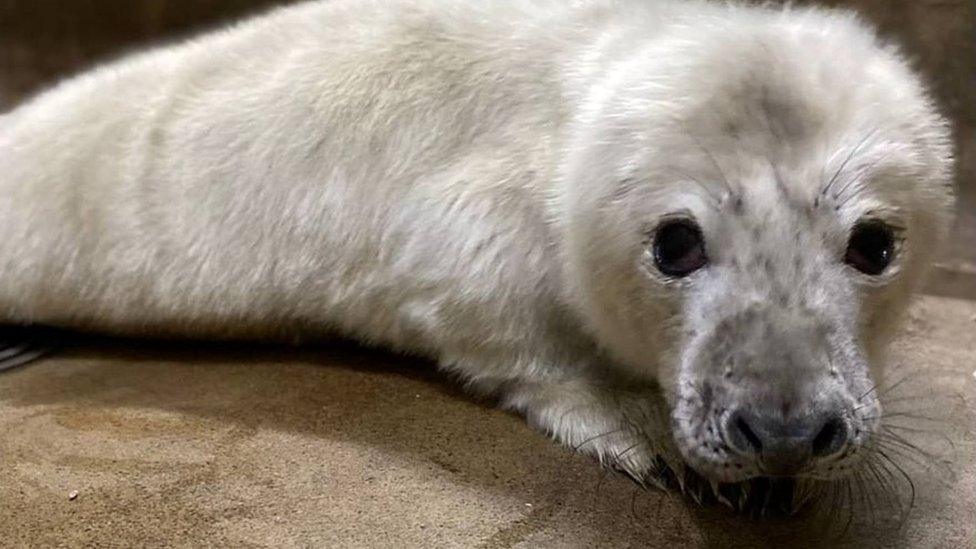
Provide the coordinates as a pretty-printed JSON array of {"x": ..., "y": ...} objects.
[{"x": 668, "y": 233}]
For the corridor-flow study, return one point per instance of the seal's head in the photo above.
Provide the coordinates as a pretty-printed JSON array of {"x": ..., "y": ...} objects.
[{"x": 751, "y": 200}]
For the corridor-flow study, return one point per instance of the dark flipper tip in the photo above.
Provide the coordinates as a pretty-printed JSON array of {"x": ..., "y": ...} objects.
[{"x": 21, "y": 345}]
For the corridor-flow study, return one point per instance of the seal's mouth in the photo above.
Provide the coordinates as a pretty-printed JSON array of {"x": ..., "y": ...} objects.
[
  {"x": 759, "y": 497},
  {"x": 762, "y": 497}
]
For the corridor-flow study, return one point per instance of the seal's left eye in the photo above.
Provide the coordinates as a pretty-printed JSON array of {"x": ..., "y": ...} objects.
[
  {"x": 679, "y": 248},
  {"x": 871, "y": 247}
]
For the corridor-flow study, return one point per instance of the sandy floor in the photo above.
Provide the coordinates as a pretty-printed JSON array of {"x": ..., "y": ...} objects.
[{"x": 183, "y": 444}]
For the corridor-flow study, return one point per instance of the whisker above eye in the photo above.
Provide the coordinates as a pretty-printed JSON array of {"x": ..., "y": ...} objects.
[
  {"x": 847, "y": 160},
  {"x": 708, "y": 153}
]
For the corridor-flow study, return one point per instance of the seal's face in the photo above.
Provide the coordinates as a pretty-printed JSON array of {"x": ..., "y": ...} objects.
[
  {"x": 773, "y": 375},
  {"x": 748, "y": 233}
]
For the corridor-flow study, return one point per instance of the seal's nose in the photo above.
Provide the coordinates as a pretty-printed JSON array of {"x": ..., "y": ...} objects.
[{"x": 783, "y": 446}]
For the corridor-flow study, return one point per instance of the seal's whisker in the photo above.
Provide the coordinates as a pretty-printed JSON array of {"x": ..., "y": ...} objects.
[
  {"x": 888, "y": 425},
  {"x": 623, "y": 453},
  {"x": 577, "y": 447},
  {"x": 708, "y": 154},
  {"x": 903, "y": 473},
  {"x": 839, "y": 508},
  {"x": 874, "y": 485},
  {"x": 899, "y": 441},
  {"x": 866, "y": 393},
  {"x": 888, "y": 433},
  {"x": 830, "y": 496},
  {"x": 633, "y": 503},
  {"x": 887, "y": 489},
  {"x": 887, "y": 388},
  {"x": 928, "y": 432},
  {"x": 932, "y": 464},
  {"x": 847, "y": 160},
  {"x": 604, "y": 473},
  {"x": 865, "y": 496},
  {"x": 907, "y": 398},
  {"x": 873, "y": 491},
  {"x": 920, "y": 461},
  {"x": 857, "y": 181},
  {"x": 908, "y": 415}
]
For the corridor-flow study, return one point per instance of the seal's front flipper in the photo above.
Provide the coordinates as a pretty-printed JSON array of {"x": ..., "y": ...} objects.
[{"x": 20, "y": 345}]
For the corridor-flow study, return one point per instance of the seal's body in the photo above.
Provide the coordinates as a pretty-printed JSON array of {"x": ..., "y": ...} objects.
[{"x": 573, "y": 207}]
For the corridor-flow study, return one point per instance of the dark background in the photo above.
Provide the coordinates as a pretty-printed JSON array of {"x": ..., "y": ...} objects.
[{"x": 43, "y": 40}]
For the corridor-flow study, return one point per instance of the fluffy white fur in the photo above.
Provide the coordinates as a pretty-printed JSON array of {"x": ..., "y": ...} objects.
[{"x": 478, "y": 182}]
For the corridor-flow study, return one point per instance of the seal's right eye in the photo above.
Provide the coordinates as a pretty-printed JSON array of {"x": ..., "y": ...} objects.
[
  {"x": 871, "y": 247},
  {"x": 679, "y": 248}
]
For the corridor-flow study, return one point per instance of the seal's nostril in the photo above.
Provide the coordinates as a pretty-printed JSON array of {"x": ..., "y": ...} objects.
[
  {"x": 748, "y": 434},
  {"x": 782, "y": 446},
  {"x": 830, "y": 438}
]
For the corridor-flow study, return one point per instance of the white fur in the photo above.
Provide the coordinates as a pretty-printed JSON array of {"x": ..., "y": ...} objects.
[{"x": 473, "y": 181}]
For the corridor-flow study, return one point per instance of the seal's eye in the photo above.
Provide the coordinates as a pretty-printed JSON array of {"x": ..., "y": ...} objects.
[
  {"x": 871, "y": 247},
  {"x": 679, "y": 248}
]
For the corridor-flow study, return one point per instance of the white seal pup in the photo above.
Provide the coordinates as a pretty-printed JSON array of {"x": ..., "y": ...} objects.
[{"x": 665, "y": 232}]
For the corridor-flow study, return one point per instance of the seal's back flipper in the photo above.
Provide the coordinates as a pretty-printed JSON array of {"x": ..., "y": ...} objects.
[{"x": 20, "y": 345}]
